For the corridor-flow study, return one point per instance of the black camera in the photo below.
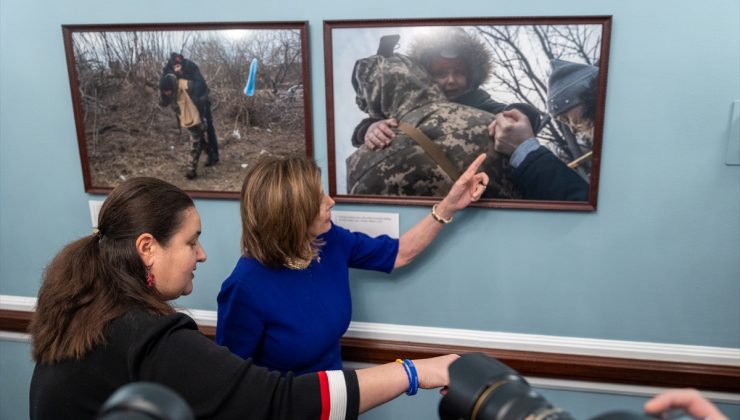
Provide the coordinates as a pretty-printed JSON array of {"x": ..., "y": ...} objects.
[{"x": 482, "y": 388}]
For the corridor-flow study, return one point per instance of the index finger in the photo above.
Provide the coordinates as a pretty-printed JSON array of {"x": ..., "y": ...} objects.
[{"x": 473, "y": 168}]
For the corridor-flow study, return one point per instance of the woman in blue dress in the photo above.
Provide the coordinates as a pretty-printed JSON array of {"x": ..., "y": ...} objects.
[{"x": 287, "y": 302}]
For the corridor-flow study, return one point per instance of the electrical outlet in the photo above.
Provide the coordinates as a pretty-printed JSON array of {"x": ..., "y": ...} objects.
[
  {"x": 95, "y": 206},
  {"x": 733, "y": 138}
]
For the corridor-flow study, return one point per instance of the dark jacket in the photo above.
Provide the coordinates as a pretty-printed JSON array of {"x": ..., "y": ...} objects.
[
  {"x": 169, "y": 350},
  {"x": 542, "y": 176}
]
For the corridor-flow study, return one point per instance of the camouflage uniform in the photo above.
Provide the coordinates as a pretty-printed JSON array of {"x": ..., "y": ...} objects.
[
  {"x": 397, "y": 87},
  {"x": 476, "y": 58},
  {"x": 188, "y": 116},
  {"x": 197, "y": 127},
  {"x": 199, "y": 94},
  {"x": 198, "y": 137}
]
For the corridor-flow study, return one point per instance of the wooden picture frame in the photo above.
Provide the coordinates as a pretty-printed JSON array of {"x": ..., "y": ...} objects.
[
  {"x": 116, "y": 72},
  {"x": 360, "y": 78}
]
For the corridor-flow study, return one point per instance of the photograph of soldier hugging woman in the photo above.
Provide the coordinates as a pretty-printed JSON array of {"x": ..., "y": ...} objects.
[
  {"x": 427, "y": 113},
  {"x": 183, "y": 87}
]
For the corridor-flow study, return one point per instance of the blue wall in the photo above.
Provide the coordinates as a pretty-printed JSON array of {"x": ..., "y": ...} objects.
[{"x": 659, "y": 261}]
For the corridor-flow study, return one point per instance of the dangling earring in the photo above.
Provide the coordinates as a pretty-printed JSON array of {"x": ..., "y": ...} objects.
[{"x": 149, "y": 277}]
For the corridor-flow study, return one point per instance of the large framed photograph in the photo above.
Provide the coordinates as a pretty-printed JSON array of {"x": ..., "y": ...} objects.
[
  {"x": 194, "y": 104},
  {"x": 411, "y": 103}
]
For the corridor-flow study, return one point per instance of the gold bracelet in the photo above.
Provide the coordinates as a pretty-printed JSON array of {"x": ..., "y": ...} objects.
[{"x": 439, "y": 218}]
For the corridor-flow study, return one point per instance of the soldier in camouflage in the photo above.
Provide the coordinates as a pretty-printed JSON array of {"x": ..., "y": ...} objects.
[
  {"x": 186, "y": 69},
  {"x": 459, "y": 63},
  {"x": 397, "y": 87},
  {"x": 175, "y": 92}
]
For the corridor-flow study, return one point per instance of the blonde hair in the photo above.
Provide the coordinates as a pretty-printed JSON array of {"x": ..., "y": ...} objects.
[{"x": 280, "y": 199}]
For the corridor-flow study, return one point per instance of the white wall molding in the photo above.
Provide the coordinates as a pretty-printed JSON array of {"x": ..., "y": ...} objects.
[
  {"x": 499, "y": 340},
  {"x": 17, "y": 303},
  {"x": 15, "y": 336},
  {"x": 491, "y": 339},
  {"x": 202, "y": 317},
  {"x": 548, "y": 344},
  {"x": 597, "y": 387}
]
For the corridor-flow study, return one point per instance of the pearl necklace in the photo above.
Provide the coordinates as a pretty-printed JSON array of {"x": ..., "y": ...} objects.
[{"x": 298, "y": 264}]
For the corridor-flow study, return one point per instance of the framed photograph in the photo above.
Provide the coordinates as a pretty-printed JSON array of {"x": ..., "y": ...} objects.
[
  {"x": 194, "y": 104},
  {"x": 411, "y": 103}
]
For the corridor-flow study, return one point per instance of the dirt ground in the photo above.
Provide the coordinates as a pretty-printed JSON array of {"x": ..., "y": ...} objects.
[{"x": 161, "y": 150}]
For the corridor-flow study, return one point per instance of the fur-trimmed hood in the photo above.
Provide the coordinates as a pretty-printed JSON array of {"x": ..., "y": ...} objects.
[{"x": 454, "y": 42}]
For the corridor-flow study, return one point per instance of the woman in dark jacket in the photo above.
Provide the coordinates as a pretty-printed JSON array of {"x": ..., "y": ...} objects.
[{"x": 102, "y": 321}]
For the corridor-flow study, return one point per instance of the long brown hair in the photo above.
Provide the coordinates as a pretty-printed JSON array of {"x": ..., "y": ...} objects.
[
  {"x": 280, "y": 199},
  {"x": 99, "y": 277}
]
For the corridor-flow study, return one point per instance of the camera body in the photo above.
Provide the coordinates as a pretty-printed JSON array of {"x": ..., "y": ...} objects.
[{"x": 482, "y": 388}]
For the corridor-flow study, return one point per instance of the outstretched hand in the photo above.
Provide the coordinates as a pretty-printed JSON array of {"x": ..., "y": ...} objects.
[
  {"x": 434, "y": 372},
  {"x": 508, "y": 130},
  {"x": 467, "y": 189},
  {"x": 690, "y": 400},
  {"x": 380, "y": 133}
]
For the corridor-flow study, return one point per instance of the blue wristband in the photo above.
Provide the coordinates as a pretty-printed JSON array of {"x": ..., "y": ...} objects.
[
  {"x": 411, "y": 375},
  {"x": 414, "y": 375}
]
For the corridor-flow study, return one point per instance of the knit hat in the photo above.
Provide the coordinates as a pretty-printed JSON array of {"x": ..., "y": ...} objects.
[{"x": 568, "y": 82}]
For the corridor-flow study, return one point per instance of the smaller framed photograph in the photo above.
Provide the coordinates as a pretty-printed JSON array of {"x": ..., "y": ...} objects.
[{"x": 193, "y": 103}]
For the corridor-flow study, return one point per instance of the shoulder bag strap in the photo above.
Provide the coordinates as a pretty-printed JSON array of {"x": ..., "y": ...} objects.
[{"x": 431, "y": 149}]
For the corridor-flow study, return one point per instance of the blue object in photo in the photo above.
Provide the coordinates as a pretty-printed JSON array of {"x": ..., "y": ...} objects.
[{"x": 249, "y": 89}]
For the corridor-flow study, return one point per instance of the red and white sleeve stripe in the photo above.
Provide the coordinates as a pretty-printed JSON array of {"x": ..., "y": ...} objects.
[{"x": 333, "y": 395}]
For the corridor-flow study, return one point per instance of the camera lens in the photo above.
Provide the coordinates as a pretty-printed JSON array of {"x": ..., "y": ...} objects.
[
  {"x": 482, "y": 388},
  {"x": 512, "y": 398}
]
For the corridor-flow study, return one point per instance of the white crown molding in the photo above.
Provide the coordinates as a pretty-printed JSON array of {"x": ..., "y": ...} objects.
[{"x": 497, "y": 340}]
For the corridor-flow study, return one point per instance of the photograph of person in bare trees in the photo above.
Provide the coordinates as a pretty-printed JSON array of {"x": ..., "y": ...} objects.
[
  {"x": 184, "y": 88},
  {"x": 482, "y": 66},
  {"x": 126, "y": 81}
]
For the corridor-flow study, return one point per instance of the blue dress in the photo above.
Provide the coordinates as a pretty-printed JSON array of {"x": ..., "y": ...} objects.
[{"x": 292, "y": 320}]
